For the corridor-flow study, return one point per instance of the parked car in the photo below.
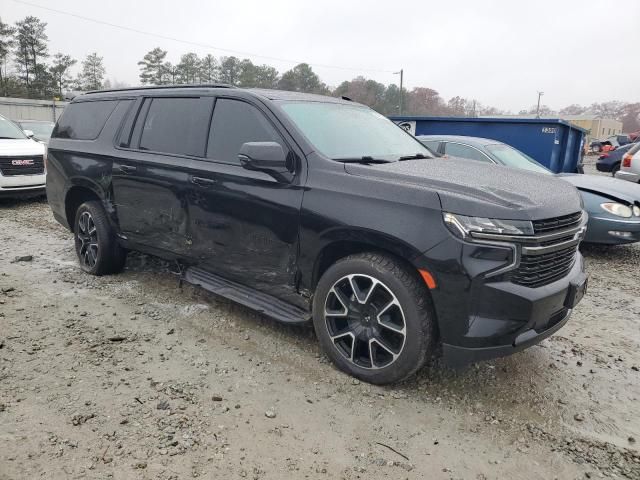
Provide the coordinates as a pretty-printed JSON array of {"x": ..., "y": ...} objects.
[
  {"x": 39, "y": 130},
  {"x": 613, "y": 141},
  {"x": 613, "y": 206},
  {"x": 630, "y": 169},
  {"x": 270, "y": 199},
  {"x": 610, "y": 161},
  {"x": 22, "y": 171}
]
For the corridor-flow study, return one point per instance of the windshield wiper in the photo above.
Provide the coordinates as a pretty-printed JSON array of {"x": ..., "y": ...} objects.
[
  {"x": 413, "y": 157},
  {"x": 365, "y": 159},
  {"x": 10, "y": 138}
]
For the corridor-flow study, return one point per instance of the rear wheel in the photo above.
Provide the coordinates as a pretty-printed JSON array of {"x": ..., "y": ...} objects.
[
  {"x": 373, "y": 317},
  {"x": 96, "y": 245}
]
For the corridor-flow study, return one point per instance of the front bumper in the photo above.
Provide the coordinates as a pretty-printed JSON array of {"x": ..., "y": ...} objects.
[
  {"x": 624, "y": 230},
  {"x": 526, "y": 317},
  {"x": 20, "y": 186},
  {"x": 483, "y": 309},
  {"x": 628, "y": 176}
]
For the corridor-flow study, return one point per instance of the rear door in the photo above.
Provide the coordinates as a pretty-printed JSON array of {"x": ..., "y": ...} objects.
[
  {"x": 245, "y": 223},
  {"x": 160, "y": 144}
]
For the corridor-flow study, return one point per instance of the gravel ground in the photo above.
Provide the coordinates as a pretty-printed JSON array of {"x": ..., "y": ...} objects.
[{"x": 131, "y": 376}]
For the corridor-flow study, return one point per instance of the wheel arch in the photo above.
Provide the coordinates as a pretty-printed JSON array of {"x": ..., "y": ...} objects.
[
  {"x": 341, "y": 244},
  {"x": 76, "y": 195}
]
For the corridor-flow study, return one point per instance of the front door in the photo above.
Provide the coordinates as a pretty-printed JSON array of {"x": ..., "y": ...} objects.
[{"x": 245, "y": 223}]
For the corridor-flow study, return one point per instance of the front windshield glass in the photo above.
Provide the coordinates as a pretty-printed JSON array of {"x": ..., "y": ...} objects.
[
  {"x": 342, "y": 132},
  {"x": 511, "y": 157},
  {"x": 40, "y": 129},
  {"x": 9, "y": 130}
]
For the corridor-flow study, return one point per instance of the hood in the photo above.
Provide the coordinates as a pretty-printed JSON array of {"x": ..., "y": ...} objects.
[
  {"x": 613, "y": 188},
  {"x": 20, "y": 146},
  {"x": 479, "y": 189}
]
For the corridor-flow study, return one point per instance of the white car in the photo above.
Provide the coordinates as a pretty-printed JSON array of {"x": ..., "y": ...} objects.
[
  {"x": 630, "y": 166},
  {"x": 22, "y": 169}
]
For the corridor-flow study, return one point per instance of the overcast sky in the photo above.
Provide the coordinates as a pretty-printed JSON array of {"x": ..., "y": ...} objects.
[{"x": 498, "y": 52}]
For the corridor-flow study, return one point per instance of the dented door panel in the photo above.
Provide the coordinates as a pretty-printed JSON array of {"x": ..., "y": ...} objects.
[
  {"x": 244, "y": 226},
  {"x": 150, "y": 199}
]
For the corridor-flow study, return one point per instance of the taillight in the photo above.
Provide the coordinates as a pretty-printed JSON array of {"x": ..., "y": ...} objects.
[{"x": 626, "y": 161}]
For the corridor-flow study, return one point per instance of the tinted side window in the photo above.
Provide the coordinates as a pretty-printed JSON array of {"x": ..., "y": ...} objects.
[
  {"x": 234, "y": 123},
  {"x": 177, "y": 125},
  {"x": 463, "y": 151},
  {"x": 84, "y": 120}
]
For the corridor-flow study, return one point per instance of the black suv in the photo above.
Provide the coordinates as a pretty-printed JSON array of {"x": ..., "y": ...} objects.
[{"x": 306, "y": 207}]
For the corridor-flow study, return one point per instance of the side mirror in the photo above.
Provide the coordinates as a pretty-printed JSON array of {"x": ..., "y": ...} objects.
[
  {"x": 29, "y": 133},
  {"x": 264, "y": 156}
]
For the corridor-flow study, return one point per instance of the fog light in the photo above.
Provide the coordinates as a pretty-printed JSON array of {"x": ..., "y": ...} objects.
[{"x": 620, "y": 234}]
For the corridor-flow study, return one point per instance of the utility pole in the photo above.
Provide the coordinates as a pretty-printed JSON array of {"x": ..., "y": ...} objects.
[
  {"x": 538, "y": 109},
  {"x": 401, "y": 73}
]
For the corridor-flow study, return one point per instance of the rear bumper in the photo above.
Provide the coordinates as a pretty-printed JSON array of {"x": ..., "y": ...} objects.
[
  {"x": 603, "y": 167},
  {"x": 628, "y": 176}
]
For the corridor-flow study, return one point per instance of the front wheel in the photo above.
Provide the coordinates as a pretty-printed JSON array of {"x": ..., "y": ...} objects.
[
  {"x": 374, "y": 318},
  {"x": 96, "y": 245}
]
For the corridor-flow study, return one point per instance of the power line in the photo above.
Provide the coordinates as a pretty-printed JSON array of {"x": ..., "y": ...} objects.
[{"x": 196, "y": 44}]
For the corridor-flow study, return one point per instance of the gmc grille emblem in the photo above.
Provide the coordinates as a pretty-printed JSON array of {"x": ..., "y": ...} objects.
[{"x": 16, "y": 163}]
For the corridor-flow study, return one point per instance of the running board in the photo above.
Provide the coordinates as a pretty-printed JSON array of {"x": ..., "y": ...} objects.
[{"x": 258, "y": 301}]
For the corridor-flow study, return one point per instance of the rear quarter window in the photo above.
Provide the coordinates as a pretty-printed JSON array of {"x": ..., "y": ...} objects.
[{"x": 84, "y": 120}]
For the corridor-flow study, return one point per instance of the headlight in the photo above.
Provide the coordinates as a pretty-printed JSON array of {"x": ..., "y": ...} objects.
[
  {"x": 617, "y": 209},
  {"x": 636, "y": 210},
  {"x": 462, "y": 226}
]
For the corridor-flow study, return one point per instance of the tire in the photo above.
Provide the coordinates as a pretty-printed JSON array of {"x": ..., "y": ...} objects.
[
  {"x": 96, "y": 244},
  {"x": 374, "y": 349},
  {"x": 596, "y": 148}
]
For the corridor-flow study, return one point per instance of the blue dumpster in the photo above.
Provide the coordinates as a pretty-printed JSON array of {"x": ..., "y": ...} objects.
[{"x": 553, "y": 142}]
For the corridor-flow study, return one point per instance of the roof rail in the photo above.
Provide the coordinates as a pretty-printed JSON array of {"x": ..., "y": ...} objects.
[{"x": 162, "y": 87}]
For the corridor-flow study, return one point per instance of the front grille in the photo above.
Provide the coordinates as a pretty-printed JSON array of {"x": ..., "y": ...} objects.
[
  {"x": 538, "y": 270},
  {"x": 22, "y": 165},
  {"x": 557, "y": 223}
]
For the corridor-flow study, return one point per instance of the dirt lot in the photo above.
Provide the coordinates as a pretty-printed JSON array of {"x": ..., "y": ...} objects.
[{"x": 130, "y": 376}]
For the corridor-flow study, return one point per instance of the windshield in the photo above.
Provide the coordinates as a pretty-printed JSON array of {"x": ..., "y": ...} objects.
[
  {"x": 511, "y": 157},
  {"x": 40, "y": 129},
  {"x": 10, "y": 130},
  {"x": 341, "y": 131}
]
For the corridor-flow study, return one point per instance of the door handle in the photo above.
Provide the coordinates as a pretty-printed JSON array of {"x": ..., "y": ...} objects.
[
  {"x": 127, "y": 168},
  {"x": 203, "y": 182}
]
